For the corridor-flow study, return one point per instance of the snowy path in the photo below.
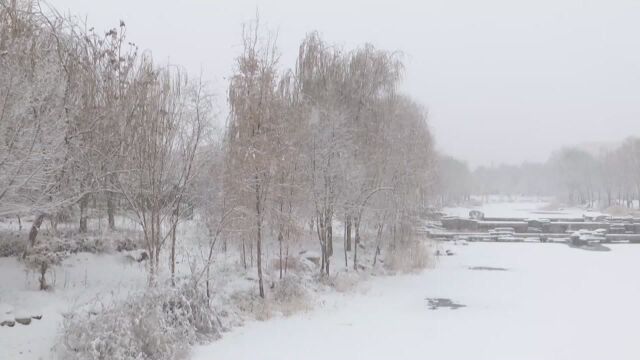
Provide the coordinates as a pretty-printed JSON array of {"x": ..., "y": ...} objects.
[{"x": 553, "y": 302}]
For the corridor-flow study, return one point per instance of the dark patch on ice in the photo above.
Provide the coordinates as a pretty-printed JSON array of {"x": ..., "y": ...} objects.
[
  {"x": 23, "y": 320},
  {"x": 592, "y": 247},
  {"x": 436, "y": 303},
  {"x": 488, "y": 268},
  {"x": 447, "y": 252}
]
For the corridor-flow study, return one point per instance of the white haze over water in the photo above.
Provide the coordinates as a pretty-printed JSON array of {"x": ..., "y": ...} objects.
[{"x": 504, "y": 81}]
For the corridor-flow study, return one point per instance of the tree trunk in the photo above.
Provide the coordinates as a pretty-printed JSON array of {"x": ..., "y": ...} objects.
[
  {"x": 355, "y": 244},
  {"x": 173, "y": 255},
  {"x": 259, "y": 241},
  {"x": 346, "y": 260},
  {"x": 329, "y": 241},
  {"x": 280, "y": 244},
  {"x": 327, "y": 266},
  {"x": 378, "y": 243},
  {"x": 35, "y": 227},
  {"x": 153, "y": 245},
  {"x": 322, "y": 240},
  {"x": 348, "y": 235},
  {"x": 43, "y": 277},
  {"x": 110, "y": 211},
  {"x": 244, "y": 254},
  {"x": 176, "y": 215},
  {"x": 286, "y": 260},
  {"x": 259, "y": 261},
  {"x": 84, "y": 201},
  {"x": 158, "y": 258},
  {"x": 152, "y": 256},
  {"x": 207, "y": 282},
  {"x": 323, "y": 252}
]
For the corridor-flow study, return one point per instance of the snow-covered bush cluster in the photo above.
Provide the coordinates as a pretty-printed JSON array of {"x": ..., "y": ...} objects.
[
  {"x": 97, "y": 243},
  {"x": 15, "y": 244},
  {"x": 344, "y": 281},
  {"x": 159, "y": 324},
  {"x": 290, "y": 295},
  {"x": 12, "y": 244},
  {"x": 250, "y": 304},
  {"x": 43, "y": 256},
  {"x": 72, "y": 244}
]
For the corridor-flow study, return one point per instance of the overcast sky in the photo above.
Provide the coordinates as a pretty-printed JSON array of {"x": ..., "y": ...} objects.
[{"x": 503, "y": 80}]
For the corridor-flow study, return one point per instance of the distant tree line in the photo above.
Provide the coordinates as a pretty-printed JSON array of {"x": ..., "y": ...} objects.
[{"x": 574, "y": 175}]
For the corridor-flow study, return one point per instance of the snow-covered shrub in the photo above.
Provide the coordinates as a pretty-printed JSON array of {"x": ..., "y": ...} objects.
[
  {"x": 290, "y": 296},
  {"x": 344, "y": 281},
  {"x": 95, "y": 243},
  {"x": 286, "y": 296},
  {"x": 42, "y": 257},
  {"x": 12, "y": 244},
  {"x": 98, "y": 242},
  {"x": 127, "y": 244},
  {"x": 407, "y": 256},
  {"x": 159, "y": 324},
  {"x": 200, "y": 315},
  {"x": 250, "y": 303},
  {"x": 91, "y": 244},
  {"x": 293, "y": 264}
]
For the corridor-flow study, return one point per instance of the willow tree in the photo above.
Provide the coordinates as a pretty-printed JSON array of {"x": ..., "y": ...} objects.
[
  {"x": 321, "y": 73},
  {"x": 41, "y": 113},
  {"x": 411, "y": 170},
  {"x": 346, "y": 98},
  {"x": 164, "y": 135},
  {"x": 252, "y": 133},
  {"x": 373, "y": 76}
]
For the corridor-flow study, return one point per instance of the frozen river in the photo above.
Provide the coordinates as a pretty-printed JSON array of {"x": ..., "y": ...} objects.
[{"x": 522, "y": 301}]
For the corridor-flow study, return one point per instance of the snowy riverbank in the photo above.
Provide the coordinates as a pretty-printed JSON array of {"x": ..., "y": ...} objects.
[{"x": 88, "y": 286}]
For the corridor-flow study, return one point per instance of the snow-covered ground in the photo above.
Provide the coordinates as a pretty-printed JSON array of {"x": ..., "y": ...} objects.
[
  {"x": 551, "y": 302},
  {"x": 82, "y": 278}
]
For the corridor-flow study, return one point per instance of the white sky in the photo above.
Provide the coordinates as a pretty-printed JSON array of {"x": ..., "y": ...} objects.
[{"x": 504, "y": 80}]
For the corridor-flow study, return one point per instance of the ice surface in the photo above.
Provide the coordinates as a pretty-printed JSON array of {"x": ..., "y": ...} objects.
[
  {"x": 524, "y": 207},
  {"x": 553, "y": 302}
]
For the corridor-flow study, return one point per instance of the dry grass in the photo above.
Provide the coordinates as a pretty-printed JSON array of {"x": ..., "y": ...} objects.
[
  {"x": 289, "y": 296},
  {"x": 292, "y": 264},
  {"x": 408, "y": 257}
]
